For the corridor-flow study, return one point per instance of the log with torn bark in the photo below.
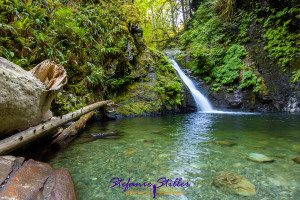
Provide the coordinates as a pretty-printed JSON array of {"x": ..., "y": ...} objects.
[
  {"x": 20, "y": 139},
  {"x": 26, "y": 96},
  {"x": 67, "y": 135}
]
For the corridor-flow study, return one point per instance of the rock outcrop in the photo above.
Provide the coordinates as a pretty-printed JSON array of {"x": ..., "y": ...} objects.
[
  {"x": 34, "y": 180},
  {"x": 25, "y": 97}
]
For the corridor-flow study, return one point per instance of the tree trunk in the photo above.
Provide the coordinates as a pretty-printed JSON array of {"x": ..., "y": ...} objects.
[
  {"x": 154, "y": 28},
  {"x": 172, "y": 17},
  {"x": 70, "y": 133},
  {"x": 190, "y": 9},
  {"x": 183, "y": 11},
  {"x": 20, "y": 139}
]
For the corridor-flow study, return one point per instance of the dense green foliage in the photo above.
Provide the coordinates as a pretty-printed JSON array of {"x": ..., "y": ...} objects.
[
  {"x": 94, "y": 40},
  {"x": 220, "y": 30},
  {"x": 216, "y": 52},
  {"x": 83, "y": 38},
  {"x": 282, "y": 44}
]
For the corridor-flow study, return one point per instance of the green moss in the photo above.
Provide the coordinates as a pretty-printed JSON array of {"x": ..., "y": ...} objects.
[
  {"x": 138, "y": 98},
  {"x": 138, "y": 108},
  {"x": 131, "y": 13},
  {"x": 92, "y": 40}
]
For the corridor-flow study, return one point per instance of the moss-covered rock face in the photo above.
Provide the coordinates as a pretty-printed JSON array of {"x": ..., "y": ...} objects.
[
  {"x": 100, "y": 44},
  {"x": 156, "y": 88},
  {"x": 248, "y": 57}
]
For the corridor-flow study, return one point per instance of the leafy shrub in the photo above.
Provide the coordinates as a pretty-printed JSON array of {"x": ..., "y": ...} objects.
[
  {"x": 229, "y": 71},
  {"x": 282, "y": 44},
  {"x": 249, "y": 79}
]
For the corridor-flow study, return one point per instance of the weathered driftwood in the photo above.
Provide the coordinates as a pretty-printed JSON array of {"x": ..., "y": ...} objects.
[
  {"x": 25, "y": 97},
  {"x": 51, "y": 74},
  {"x": 20, "y": 139},
  {"x": 70, "y": 133}
]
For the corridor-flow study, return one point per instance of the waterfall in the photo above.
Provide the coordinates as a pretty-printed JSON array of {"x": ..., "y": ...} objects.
[{"x": 201, "y": 101}]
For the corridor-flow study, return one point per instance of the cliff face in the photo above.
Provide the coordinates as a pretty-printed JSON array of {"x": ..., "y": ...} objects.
[{"x": 250, "y": 62}]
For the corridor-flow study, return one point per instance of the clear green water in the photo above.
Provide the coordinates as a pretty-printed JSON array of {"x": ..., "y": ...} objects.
[{"x": 185, "y": 150}]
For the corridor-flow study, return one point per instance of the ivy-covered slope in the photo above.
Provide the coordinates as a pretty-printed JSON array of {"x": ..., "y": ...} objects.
[
  {"x": 100, "y": 44},
  {"x": 247, "y": 52}
]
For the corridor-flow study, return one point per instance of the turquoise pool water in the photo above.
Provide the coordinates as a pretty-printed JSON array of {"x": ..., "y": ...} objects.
[{"x": 182, "y": 146}]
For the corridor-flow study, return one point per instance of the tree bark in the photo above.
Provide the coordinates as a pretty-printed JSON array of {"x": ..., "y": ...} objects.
[
  {"x": 172, "y": 17},
  {"x": 183, "y": 11},
  {"x": 70, "y": 133},
  {"x": 20, "y": 139},
  {"x": 154, "y": 28}
]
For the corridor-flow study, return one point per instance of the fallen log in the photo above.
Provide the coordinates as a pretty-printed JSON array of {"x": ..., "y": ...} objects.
[
  {"x": 26, "y": 96},
  {"x": 70, "y": 133},
  {"x": 20, "y": 139}
]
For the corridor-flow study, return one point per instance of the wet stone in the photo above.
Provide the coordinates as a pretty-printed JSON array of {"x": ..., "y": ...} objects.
[
  {"x": 149, "y": 141},
  {"x": 259, "y": 157},
  {"x": 297, "y": 160},
  {"x": 225, "y": 143},
  {"x": 130, "y": 151},
  {"x": 234, "y": 184}
]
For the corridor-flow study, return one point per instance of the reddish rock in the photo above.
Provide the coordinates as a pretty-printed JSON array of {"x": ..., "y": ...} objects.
[
  {"x": 9, "y": 165},
  {"x": 64, "y": 187},
  {"x": 35, "y": 180},
  {"x": 6, "y": 163}
]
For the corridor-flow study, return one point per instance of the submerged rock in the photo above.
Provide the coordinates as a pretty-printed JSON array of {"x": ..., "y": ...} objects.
[
  {"x": 130, "y": 151},
  {"x": 34, "y": 180},
  {"x": 297, "y": 160},
  {"x": 157, "y": 132},
  {"x": 259, "y": 158},
  {"x": 225, "y": 143},
  {"x": 280, "y": 155},
  {"x": 234, "y": 184},
  {"x": 149, "y": 141}
]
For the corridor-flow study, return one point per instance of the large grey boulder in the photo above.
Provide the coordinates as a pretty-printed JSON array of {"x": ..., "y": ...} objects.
[{"x": 25, "y": 97}]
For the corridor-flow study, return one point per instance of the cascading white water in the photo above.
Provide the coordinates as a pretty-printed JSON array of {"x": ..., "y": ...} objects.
[{"x": 201, "y": 102}]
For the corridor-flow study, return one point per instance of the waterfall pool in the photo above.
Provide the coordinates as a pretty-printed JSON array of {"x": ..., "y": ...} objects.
[{"x": 182, "y": 146}]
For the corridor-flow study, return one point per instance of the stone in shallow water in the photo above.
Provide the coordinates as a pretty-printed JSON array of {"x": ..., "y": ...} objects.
[
  {"x": 280, "y": 155},
  {"x": 297, "y": 160},
  {"x": 259, "y": 157},
  {"x": 234, "y": 184},
  {"x": 149, "y": 141},
  {"x": 157, "y": 132},
  {"x": 130, "y": 151},
  {"x": 225, "y": 143},
  {"x": 199, "y": 165}
]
